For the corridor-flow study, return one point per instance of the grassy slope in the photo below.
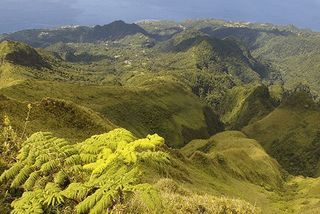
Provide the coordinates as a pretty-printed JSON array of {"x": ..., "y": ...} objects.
[
  {"x": 163, "y": 107},
  {"x": 64, "y": 119},
  {"x": 243, "y": 105},
  {"x": 231, "y": 164},
  {"x": 21, "y": 54},
  {"x": 228, "y": 165},
  {"x": 17, "y": 61},
  {"x": 290, "y": 133}
]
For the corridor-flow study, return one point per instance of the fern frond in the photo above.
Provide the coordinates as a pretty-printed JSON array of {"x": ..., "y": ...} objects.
[
  {"x": 86, "y": 205},
  {"x": 150, "y": 197},
  {"x": 60, "y": 178},
  {"x": 76, "y": 169},
  {"x": 30, "y": 202},
  {"x": 73, "y": 160},
  {"x": 40, "y": 160},
  {"x": 30, "y": 182},
  {"x": 22, "y": 176},
  {"x": 23, "y": 154},
  {"x": 53, "y": 195},
  {"x": 88, "y": 158},
  {"x": 76, "y": 191},
  {"x": 69, "y": 151},
  {"x": 105, "y": 202},
  {"x": 50, "y": 165},
  {"x": 12, "y": 172}
]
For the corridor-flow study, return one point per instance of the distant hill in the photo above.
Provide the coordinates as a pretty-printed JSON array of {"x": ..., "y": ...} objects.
[
  {"x": 292, "y": 52},
  {"x": 45, "y": 37},
  {"x": 223, "y": 55},
  {"x": 19, "y": 61}
]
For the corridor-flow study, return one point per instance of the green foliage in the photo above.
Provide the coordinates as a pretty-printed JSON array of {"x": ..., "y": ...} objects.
[
  {"x": 107, "y": 171},
  {"x": 30, "y": 203}
]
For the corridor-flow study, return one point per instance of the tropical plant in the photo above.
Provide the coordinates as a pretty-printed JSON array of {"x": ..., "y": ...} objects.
[{"x": 90, "y": 177}]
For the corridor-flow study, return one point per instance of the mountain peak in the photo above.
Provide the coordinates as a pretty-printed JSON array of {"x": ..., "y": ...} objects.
[
  {"x": 114, "y": 31},
  {"x": 118, "y": 22}
]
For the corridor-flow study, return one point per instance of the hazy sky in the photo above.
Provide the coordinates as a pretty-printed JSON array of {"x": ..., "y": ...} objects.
[{"x": 24, "y": 14}]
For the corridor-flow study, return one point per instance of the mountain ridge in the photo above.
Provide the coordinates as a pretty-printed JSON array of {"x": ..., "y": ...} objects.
[{"x": 43, "y": 37}]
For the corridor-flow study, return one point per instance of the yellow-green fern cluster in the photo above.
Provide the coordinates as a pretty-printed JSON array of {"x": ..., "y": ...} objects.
[{"x": 91, "y": 177}]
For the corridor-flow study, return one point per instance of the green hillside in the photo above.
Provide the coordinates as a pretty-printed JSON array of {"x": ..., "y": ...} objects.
[
  {"x": 224, "y": 56},
  {"x": 21, "y": 54},
  {"x": 163, "y": 107},
  {"x": 291, "y": 51},
  {"x": 290, "y": 134},
  {"x": 231, "y": 155},
  {"x": 63, "y": 118},
  {"x": 243, "y": 105}
]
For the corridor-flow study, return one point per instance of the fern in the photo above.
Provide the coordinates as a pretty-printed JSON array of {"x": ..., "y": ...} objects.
[
  {"x": 95, "y": 174},
  {"x": 30, "y": 182},
  {"x": 53, "y": 195},
  {"x": 12, "y": 172},
  {"x": 60, "y": 178},
  {"x": 41, "y": 159},
  {"x": 50, "y": 166},
  {"x": 30, "y": 202},
  {"x": 73, "y": 160},
  {"x": 88, "y": 158},
  {"x": 22, "y": 176},
  {"x": 107, "y": 201},
  {"x": 77, "y": 191},
  {"x": 86, "y": 205}
]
